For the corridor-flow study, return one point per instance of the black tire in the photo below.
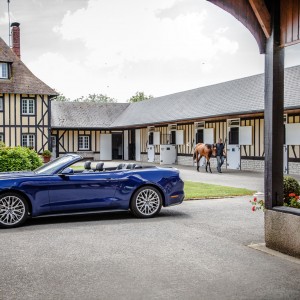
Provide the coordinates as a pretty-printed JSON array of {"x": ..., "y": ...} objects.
[
  {"x": 146, "y": 202},
  {"x": 13, "y": 210}
]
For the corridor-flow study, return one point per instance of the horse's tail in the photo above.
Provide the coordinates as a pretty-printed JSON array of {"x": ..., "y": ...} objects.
[{"x": 194, "y": 155}]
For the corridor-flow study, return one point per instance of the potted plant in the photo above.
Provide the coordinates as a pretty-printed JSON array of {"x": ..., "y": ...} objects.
[{"x": 46, "y": 155}]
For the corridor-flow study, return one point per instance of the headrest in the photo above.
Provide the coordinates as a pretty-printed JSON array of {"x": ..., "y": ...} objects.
[
  {"x": 87, "y": 165},
  {"x": 99, "y": 166}
]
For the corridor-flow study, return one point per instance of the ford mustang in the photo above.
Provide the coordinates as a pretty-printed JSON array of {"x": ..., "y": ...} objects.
[{"x": 59, "y": 188}]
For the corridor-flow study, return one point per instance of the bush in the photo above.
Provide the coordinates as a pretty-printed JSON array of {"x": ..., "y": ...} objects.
[
  {"x": 290, "y": 185},
  {"x": 34, "y": 158},
  {"x": 18, "y": 159}
]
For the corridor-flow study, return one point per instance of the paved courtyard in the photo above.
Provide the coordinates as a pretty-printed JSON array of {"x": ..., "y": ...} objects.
[{"x": 197, "y": 250}]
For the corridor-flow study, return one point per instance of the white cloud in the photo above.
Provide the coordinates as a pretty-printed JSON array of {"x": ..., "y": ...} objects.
[
  {"x": 128, "y": 30},
  {"x": 157, "y": 46}
]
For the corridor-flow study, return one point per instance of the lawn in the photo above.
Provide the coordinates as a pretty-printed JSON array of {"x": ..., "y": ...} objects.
[{"x": 198, "y": 190}]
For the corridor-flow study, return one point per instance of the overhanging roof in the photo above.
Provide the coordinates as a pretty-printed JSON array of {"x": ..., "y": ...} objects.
[
  {"x": 22, "y": 80},
  {"x": 236, "y": 97}
]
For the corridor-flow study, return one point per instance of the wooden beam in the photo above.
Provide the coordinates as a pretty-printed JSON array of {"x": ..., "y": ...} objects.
[
  {"x": 274, "y": 104},
  {"x": 262, "y": 15}
]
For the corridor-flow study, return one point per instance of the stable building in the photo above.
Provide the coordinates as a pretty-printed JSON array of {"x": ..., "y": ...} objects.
[{"x": 166, "y": 129}]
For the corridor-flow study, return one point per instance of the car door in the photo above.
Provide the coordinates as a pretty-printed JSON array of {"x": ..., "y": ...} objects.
[{"x": 83, "y": 191}]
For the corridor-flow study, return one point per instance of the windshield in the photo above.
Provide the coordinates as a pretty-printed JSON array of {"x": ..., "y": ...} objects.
[{"x": 55, "y": 165}]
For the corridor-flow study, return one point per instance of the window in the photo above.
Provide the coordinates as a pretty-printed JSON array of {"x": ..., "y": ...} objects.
[
  {"x": 199, "y": 136},
  {"x": 3, "y": 70},
  {"x": 84, "y": 142},
  {"x": 234, "y": 136},
  {"x": 28, "y": 106},
  {"x": 173, "y": 137},
  {"x": 150, "y": 138},
  {"x": 28, "y": 140},
  {"x": 1, "y": 103},
  {"x": 1, "y": 137}
]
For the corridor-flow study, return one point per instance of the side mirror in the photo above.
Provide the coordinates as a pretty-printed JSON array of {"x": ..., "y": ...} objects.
[{"x": 67, "y": 171}]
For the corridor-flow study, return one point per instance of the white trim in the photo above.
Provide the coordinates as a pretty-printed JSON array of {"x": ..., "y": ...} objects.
[
  {"x": 85, "y": 143},
  {"x": 28, "y": 106},
  {"x": 28, "y": 140}
]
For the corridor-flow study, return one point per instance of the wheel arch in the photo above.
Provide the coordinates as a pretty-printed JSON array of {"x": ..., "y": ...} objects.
[
  {"x": 20, "y": 194},
  {"x": 152, "y": 185}
]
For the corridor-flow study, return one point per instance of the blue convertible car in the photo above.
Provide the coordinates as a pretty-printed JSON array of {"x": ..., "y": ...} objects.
[{"x": 56, "y": 188}]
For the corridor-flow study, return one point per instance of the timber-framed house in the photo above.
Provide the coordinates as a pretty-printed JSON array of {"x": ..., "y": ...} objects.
[{"x": 24, "y": 100}]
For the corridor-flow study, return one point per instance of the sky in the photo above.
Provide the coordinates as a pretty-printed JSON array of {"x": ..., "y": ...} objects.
[{"x": 118, "y": 47}]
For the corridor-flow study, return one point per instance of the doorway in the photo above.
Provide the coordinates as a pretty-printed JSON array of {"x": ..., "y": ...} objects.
[
  {"x": 131, "y": 144},
  {"x": 117, "y": 145}
]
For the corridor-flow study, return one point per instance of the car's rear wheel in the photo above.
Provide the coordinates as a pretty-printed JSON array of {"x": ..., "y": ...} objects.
[
  {"x": 146, "y": 202},
  {"x": 13, "y": 210}
]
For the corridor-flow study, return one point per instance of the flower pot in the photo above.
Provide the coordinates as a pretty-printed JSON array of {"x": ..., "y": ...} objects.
[{"x": 46, "y": 159}]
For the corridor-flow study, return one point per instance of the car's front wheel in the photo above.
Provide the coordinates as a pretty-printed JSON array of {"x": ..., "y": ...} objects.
[
  {"x": 146, "y": 202},
  {"x": 13, "y": 210}
]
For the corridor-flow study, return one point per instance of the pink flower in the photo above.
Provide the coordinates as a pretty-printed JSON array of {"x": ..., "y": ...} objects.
[
  {"x": 292, "y": 195},
  {"x": 253, "y": 208},
  {"x": 255, "y": 199}
]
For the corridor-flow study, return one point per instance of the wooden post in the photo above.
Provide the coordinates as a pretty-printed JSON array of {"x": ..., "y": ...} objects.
[{"x": 274, "y": 108}]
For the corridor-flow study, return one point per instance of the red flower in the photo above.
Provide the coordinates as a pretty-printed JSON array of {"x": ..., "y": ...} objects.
[
  {"x": 292, "y": 195},
  {"x": 255, "y": 199},
  {"x": 253, "y": 208}
]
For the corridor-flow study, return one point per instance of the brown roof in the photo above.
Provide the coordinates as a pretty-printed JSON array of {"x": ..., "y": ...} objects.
[{"x": 22, "y": 80}]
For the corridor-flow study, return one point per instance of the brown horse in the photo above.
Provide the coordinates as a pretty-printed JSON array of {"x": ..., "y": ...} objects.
[{"x": 205, "y": 150}]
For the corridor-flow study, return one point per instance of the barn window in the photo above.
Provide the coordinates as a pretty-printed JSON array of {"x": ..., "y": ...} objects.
[
  {"x": 173, "y": 137},
  {"x": 84, "y": 142},
  {"x": 199, "y": 136},
  {"x": 234, "y": 136},
  {"x": 28, "y": 140},
  {"x": 150, "y": 138},
  {"x": 28, "y": 106}
]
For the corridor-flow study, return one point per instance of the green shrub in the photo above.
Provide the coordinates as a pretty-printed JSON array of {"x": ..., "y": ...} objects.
[
  {"x": 18, "y": 159},
  {"x": 290, "y": 185},
  {"x": 35, "y": 159}
]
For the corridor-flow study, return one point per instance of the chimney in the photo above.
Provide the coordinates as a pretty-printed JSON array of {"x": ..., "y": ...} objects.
[{"x": 15, "y": 36}]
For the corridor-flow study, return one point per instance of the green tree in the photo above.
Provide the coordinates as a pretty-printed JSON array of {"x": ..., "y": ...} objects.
[
  {"x": 62, "y": 98},
  {"x": 139, "y": 96},
  {"x": 96, "y": 98}
]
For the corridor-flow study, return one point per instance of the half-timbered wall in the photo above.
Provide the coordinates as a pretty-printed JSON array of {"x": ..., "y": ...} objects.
[
  {"x": 256, "y": 150},
  {"x": 294, "y": 151},
  {"x": 67, "y": 141},
  {"x": 14, "y": 123}
]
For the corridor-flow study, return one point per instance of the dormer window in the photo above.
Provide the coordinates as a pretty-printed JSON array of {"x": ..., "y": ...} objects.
[{"x": 3, "y": 70}]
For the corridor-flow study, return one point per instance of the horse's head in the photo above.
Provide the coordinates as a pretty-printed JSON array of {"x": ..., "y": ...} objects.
[{"x": 214, "y": 150}]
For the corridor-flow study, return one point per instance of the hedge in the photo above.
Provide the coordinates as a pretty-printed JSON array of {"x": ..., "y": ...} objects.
[{"x": 18, "y": 159}]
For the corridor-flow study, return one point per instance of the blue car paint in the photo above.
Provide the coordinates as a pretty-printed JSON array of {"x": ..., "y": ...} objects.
[{"x": 57, "y": 193}]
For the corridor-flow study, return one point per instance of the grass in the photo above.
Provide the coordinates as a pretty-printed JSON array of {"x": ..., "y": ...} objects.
[{"x": 198, "y": 190}]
